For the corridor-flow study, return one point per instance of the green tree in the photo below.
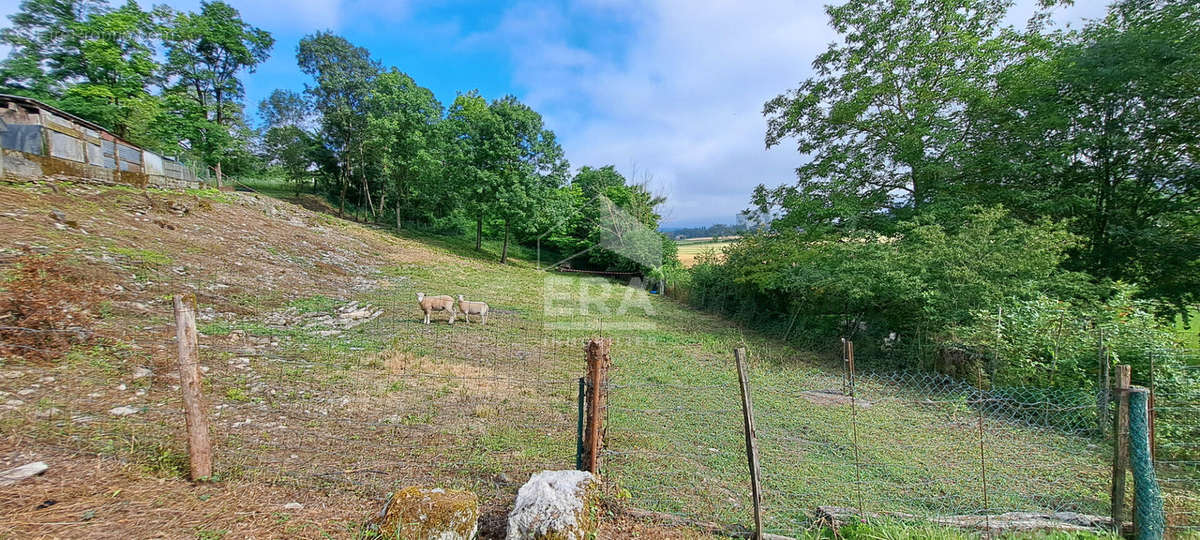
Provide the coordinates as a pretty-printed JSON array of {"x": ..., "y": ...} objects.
[
  {"x": 86, "y": 58},
  {"x": 286, "y": 140},
  {"x": 883, "y": 117},
  {"x": 508, "y": 165},
  {"x": 344, "y": 77},
  {"x": 45, "y": 46},
  {"x": 1102, "y": 130},
  {"x": 403, "y": 131},
  {"x": 206, "y": 53}
]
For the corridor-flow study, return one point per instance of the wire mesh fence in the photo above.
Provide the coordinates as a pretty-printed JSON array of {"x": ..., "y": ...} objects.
[
  {"x": 452, "y": 405},
  {"x": 1175, "y": 417},
  {"x": 902, "y": 445}
]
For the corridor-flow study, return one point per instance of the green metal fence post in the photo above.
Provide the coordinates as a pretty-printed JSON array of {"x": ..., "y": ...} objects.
[
  {"x": 579, "y": 427},
  {"x": 1147, "y": 499}
]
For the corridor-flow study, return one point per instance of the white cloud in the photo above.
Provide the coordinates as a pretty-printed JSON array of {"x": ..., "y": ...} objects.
[{"x": 683, "y": 101}]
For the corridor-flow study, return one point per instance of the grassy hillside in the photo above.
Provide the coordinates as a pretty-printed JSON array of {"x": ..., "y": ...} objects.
[{"x": 326, "y": 390}]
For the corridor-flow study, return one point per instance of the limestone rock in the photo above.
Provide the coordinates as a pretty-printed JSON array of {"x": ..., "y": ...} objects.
[
  {"x": 124, "y": 410},
  {"x": 555, "y": 505},
  {"x": 422, "y": 513},
  {"x": 16, "y": 474}
]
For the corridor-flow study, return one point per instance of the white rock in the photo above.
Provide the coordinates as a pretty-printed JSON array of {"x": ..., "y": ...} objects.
[
  {"x": 124, "y": 410},
  {"x": 25, "y": 392},
  {"x": 551, "y": 504},
  {"x": 121, "y": 387},
  {"x": 16, "y": 474},
  {"x": 293, "y": 506},
  {"x": 139, "y": 372},
  {"x": 14, "y": 403}
]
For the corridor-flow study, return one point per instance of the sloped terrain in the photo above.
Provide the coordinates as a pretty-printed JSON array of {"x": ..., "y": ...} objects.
[{"x": 326, "y": 391}]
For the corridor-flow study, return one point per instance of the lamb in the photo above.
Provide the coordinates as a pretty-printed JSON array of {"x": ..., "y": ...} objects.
[
  {"x": 430, "y": 304},
  {"x": 473, "y": 308}
]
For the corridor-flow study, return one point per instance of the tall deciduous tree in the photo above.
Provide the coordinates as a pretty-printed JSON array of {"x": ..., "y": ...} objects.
[
  {"x": 403, "y": 132},
  {"x": 1103, "y": 130},
  {"x": 344, "y": 76},
  {"x": 206, "y": 53},
  {"x": 884, "y": 114},
  {"x": 287, "y": 140},
  {"x": 507, "y": 161}
]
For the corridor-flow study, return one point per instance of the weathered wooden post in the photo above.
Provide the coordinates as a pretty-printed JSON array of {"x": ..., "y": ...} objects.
[
  {"x": 1120, "y": 447},
  {"x": 199, "y": 447},
  {"x": 739, "y": 356},
  {"x": 597, "y": 377}
]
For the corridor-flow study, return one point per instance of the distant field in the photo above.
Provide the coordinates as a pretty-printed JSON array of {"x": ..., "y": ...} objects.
[{"x": 690, "y": 248}]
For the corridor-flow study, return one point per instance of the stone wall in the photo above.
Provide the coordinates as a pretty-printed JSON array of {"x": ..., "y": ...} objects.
[{"x": 39, "y": 142}]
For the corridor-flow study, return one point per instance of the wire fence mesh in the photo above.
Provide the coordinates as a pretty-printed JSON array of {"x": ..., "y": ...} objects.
[
  {"x": 452, "y": 405},
  {"x": 902, "y": 445},
  {"x": 1175, "y": 417}
]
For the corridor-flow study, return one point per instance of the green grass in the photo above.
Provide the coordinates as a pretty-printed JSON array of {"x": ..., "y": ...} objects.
[
  {"x": 674, "y": 428},
  {"x": 1189, "y": 334}
]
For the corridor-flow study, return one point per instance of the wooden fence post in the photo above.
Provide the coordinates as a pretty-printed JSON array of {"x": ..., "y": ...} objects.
[
  {"x": 1120, "y": 447},
  {"x": 199, "y": 448},
  {"x": 597, "y": 377},
  {"x": 739, "y": 355}
]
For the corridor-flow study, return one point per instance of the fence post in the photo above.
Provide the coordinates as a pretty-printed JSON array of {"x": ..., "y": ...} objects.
[
  {"x": 199, "y": 447},
  {"x": 862, "y": 510},
  {"x": 739, "y": 356},
  {"x": 1104, "y": 397},
  {"x": 1120, "y": 447},
  {"x": 579, "y": 426},
  {"x": 597, "y": 377},
  {"x": 1149, "y": 522}
]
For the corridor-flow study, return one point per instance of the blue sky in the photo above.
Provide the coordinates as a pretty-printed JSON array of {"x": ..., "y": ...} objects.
[{"x": 668, "y": 91}]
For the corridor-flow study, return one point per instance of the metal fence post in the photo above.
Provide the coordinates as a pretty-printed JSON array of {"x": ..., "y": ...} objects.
[
  {"x": 579, "y": 426},
  {"x": 1147, "y": 499}
]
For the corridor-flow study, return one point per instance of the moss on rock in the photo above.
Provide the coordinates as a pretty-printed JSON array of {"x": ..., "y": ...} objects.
[{"x": 420, "y": 513}]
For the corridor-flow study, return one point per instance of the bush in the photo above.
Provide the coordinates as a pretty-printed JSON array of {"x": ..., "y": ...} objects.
[{"x": 45, "y": 308}]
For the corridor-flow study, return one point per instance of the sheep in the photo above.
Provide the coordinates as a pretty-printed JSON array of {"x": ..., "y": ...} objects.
[
  {"x": 473, "y": 308},
  {"x": 430, "y": 304}
]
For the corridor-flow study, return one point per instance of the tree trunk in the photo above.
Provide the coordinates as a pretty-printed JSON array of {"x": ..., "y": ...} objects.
[
  {"x": 218, "y": 175},
  {"x": 504, "y": 250},
  {"x": 478, "y": 233},
  {"x": 342, "y": 202},
  {"x": 398, "y": 226}
]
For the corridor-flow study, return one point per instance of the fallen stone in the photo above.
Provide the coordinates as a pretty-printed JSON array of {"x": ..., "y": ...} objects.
[
  {"x": 422, "y": 513},
  {"x": 834, "y": 516},
  {"x": 124, "y": 410},
  {"x": 26, "y": 392},
  {"x": 139, "y": 372},
  {"x": 16, "y": 474},
  {"x": 555, "y": 505},
  {"x": 293, "y": 506}
]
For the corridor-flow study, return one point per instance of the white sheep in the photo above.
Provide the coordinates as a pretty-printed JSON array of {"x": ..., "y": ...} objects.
[
  {"x": 473, "y": 308},
  {"x": 430, "y": 304}
]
